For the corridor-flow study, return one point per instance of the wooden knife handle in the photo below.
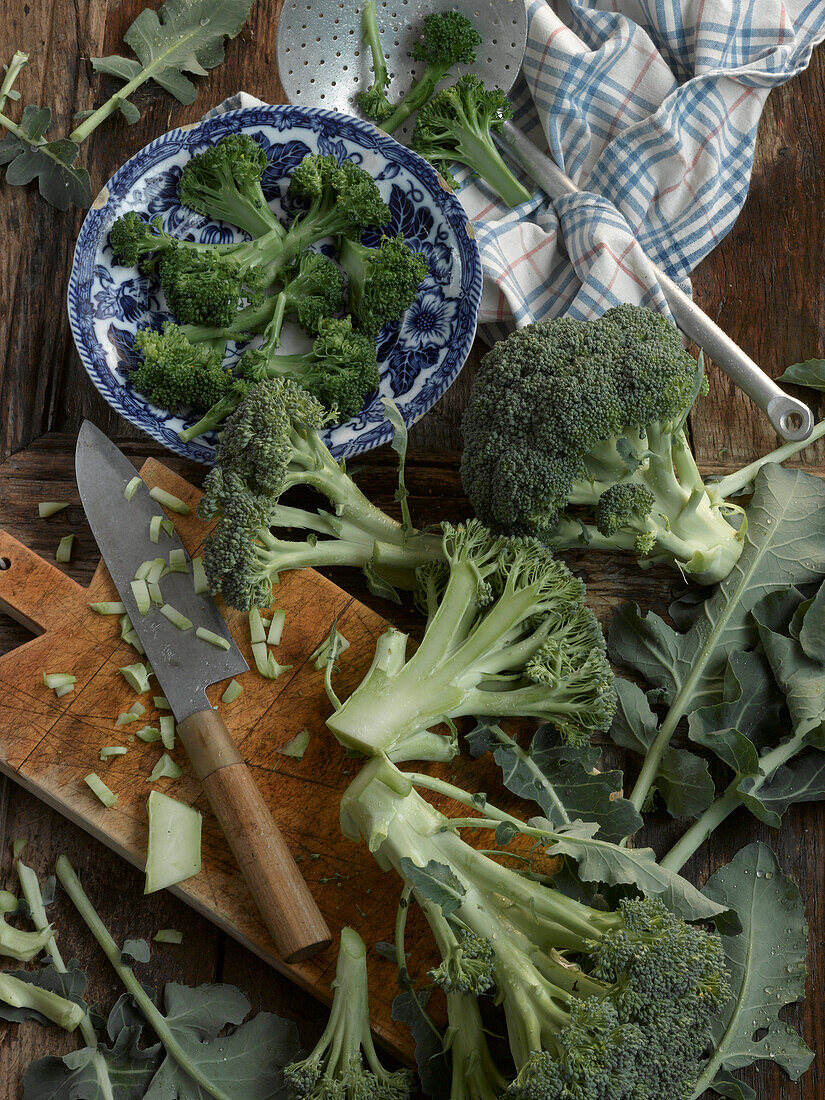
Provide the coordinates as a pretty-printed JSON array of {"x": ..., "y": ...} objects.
[{"x": 278, "y": 887}]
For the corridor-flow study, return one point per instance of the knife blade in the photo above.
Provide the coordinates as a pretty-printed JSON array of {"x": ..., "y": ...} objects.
[{"x": 185, "y": 666}]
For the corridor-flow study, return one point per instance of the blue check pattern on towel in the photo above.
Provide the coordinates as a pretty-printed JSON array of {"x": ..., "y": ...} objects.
[{"x": 651, "y": 107}]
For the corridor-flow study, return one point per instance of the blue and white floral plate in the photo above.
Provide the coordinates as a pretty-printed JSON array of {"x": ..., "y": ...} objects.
[{"x": 419, "y": 357}]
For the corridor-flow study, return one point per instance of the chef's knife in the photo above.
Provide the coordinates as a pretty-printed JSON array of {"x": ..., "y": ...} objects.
[{"x": 185, "y": 666}]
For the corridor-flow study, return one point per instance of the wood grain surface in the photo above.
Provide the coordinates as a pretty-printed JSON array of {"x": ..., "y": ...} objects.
[{"x": 764, "y": 284}]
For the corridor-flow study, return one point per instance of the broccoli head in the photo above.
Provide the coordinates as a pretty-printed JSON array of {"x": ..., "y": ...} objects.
[
  {"x": 342, "y": 199},
  {"x": 224, "y": 182},
  {"x": 565, "y": 411},
  {"x": 340, "y": 370},
  {"x": 458, "y": 125},
  {"x": 447, "y": 39},
  {"x": 174, "y": 373},
  {"x": 383, "y": 281}
]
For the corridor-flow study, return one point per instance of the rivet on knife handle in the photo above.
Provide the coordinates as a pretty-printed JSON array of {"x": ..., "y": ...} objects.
[{"x": 283, "y": 898}]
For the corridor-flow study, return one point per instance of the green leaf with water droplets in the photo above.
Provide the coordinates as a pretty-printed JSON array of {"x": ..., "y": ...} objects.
[{"x": 30, "y": 156}]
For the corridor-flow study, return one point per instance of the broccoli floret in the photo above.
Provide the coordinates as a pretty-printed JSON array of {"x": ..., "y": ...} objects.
[
  {"x": 467, "y": 965},
  {"x": 224, "y": 183},
  {"x": 614, "y": 1005},
  {"x": 271, "y": 444},
  {"x": 565, "y": 411},
  {"x": 342, "y": 200},
  {"x": 373, "y": 100},
  {"x": 313, "y": 290},
  {"x": 447, "y": 39},
  {"x": 340, "y": 370},
  {"x": 458, "y": 125},
  {"x": 344, "y": 1064},
  {"x": 174, "y": 373},
  {"x": 508, "y": 633},
  {"x": 383, "y": 281}
]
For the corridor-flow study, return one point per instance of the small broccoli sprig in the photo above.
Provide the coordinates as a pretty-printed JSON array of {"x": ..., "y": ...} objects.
[
  {"x": 597, "y": 1003},
  {"x": 458, "y": 125},
  {"x": 173, "y": 373},
  {"x": 340, "y": 369},
  {"x": 342, "y": 200},
  {"x": 224, "y": 183},
  {"x": 383, "y": 281},
  {"x": 313, "y": 290},
  {"x": 270, "y": 445},
  {"x": 575, "y": 433},
  {"x": 447, "y": 39},
  {"x": 344, "y": 1064},
  {"x": 508, "y": 633},
  {"x": 373, "y": 100}
]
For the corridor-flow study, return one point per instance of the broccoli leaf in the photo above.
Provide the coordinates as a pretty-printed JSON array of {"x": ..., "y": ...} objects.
[
  {"x": 137, "y": 950},
  {"x": 94, "y": 1073},
  {"x": 183, "y": 36},
  {"x": 71, "y": 985},
  {"x": 683, "y": 779},
  {"x": 52, "y": 163},
  {"x": 246, "y": 1062},
  {"x": 560, "y": 778},
  {"x": 802, "y": 780},
  {"x": 606, "y": 863},
  {"x": 400, "y": 439},
  {"x": 801, "y": 679},
  {"x": 410, "y": 1008},
  {"x": 435, "y": 882},
  {"x": 767, "y": 963},
  {"x": 810, "y": 373},
  {"x": 785, "y": 545}
]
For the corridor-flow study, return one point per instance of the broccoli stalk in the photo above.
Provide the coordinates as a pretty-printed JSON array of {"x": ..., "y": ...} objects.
[
  {"x": 269, "y": 446},
  {"x": 575, "y": 433},
  {"x": 447, "y": 39},
  {"x": 373, "y": 100},
  {"x": 340, "y": 369},
  {"x": 458, "y": 124},
  {"x": 344, "y": 1064},
  {"x": 383, "y": 281},
  {"x": 596, "y": 1003},
  {"x": 224, "y": 183},
  {"x": 508, "y": 633}
]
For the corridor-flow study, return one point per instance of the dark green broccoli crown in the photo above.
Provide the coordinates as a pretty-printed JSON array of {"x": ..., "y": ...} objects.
[
  {"x": 551, "y": 392},
  {"x": 257, "y": 441},
  {"x": 314, "y": 290},
  {"x": 465, "y": 107},
  {"x": 342, "y": 196},
  {"x": 447, "y": 38},
  {"x": 621, "y": 505},
  {"x": 133, "y": 238},
  {"x": 201, "y": 287},
  {"x": 237, "y": 163},
  {"x": 469, "y": 969},
  {"x": 345, "y": 368},
  {"x": 174, "y": 372},
  {"x": 234, "y": 561},
  {"x": 383, "y": 281}
]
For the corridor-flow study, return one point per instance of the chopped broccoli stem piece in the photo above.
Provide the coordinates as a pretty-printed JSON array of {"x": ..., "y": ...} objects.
[
  {"x": 175, "y": 617},
  {"x": 132, "y": 487},
  {"x": 383, "y": 281},
  {"x": 136, "y": 676},
  {"x": 64, "y": 550},
  {"x": 458, "y": 125},
  {"x": 57, "y": 680},
  {"x": 575, "y": 434},
  {"x": 161, "y": 702},
  {"x": 447, "y": 39},
  {"x": 232, "y": 692},
  {"x": 112, "y": 607},
  {"x": 167, "y": 731},
  {"x": 256, "y": 626},
  {"x": 330, "y": 649},
  {"x": 14, "y": 942},
  {"x": 110, "y": 751},
  {"x": 213, "y": 639},
  {"x": 174, "y": 852},
  {"x": 373, "y": 100},
  {"x": 508, "y": 634},
  {"x": 265, "y": 662},
  {"x": 167, "y": 935},
  {"x": 149, "y": 734},
  {"x": 169, "y": 500},
  {"x": 199, "y": 576},
  {"x": 224, "y": 183},
  {"x": 276, "y": 628},
  {"x": 178, "y": 562},
  {"x": 166, "y": 768},
  {"x": 48, "y": 508},
  {"x": 345, "y": 1062},
  {"x": 127, "y": 717},
  {"x": 21, "y": 994},
  {"x": 140, "y": 590},
  {"x": 98, "y": 787},
  {"x": 296, "y": 746}
]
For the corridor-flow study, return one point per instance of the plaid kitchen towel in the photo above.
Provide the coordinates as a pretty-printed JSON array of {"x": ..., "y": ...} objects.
[{"x": 651, "y": 107}]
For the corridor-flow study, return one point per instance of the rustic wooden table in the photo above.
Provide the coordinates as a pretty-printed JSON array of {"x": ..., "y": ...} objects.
[{"x": 764, "y": 284}]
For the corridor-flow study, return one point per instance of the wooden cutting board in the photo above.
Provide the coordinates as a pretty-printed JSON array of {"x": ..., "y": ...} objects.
[{"x": 49, "y": 745}]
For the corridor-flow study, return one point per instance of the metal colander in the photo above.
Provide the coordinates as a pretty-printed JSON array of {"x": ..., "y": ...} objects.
[{"x": 323, "y": 63}]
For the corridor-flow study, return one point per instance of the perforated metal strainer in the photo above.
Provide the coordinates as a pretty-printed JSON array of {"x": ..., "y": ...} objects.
[{"x": 322, "y": 62}]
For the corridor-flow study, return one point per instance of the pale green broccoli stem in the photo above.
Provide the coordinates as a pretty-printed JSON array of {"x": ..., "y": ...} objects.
[
  {"x": 723, "y": 806},
  {"x": 13, "y": 70},
  {"x": 742, "y": 480},
  {"x": 105, "y": 110},
  {"x": 211, "y": 419},
  {"x": 71, "y": 884},
  {"x": 372, "y": 40},
  {"x": 31, "y": 892}
]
